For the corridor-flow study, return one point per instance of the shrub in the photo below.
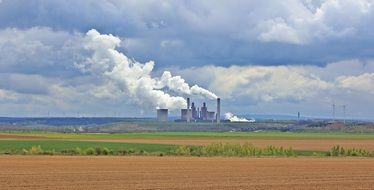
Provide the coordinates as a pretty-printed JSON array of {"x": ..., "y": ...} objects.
[
  {"x": 49, "y": 152},
  {"x": 338, "y": 150},
  {"x": 183, "y": 150},
  {"x": 241, "y": 150},
  {"x": 90, "y": 151},
  {"x": 35, "y": 150},
  {"x": 105, "y": 151},
  {"x": 140, "y": 152},
  {"x": 131, "y": 151},
  {"x": 75, "y": 151},
  {"x": 122, "y": 152}
]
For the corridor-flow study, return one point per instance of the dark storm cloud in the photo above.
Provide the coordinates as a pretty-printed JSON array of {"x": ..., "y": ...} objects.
[{"x": 210, "y": 32}]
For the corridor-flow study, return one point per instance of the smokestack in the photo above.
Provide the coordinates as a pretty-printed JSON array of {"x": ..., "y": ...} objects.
[
  {"x": 188, "y": 103},
  {"x": 189, "y": 113},
  {"x": 218, "y": 116}
]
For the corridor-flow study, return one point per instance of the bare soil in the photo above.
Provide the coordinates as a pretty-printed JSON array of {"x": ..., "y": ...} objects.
[{"x": 59, "y": 172}]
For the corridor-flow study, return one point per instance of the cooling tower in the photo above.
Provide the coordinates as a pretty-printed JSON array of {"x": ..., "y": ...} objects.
[
  {"x": 218, "y": 116},
  {"x": 162, "y": 115}
]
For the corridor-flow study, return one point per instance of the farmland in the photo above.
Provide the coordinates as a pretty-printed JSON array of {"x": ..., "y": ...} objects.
[
  {"x": 165, "y": 141},
  {"x": 87, "y": 172},
  {"x": 298, "y": 141},
  {"x": 186, "y": 160}
]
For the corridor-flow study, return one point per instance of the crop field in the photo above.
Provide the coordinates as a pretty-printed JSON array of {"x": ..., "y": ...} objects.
[
  {"x": 87, "y": 172},
  {"x": 186, "y": 161},
  {"x": 298, "y": 141}
]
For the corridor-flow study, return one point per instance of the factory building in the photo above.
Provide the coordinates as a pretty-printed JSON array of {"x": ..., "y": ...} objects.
[
  {"x": 203, "y": 112},
  {"x": 210, "y": 115},
  {"x": 186, "y": 114},
  {"x": 200, "y": 114},
  {"x": 193, "y": 113},
  {"x": 162, "y": 115}
]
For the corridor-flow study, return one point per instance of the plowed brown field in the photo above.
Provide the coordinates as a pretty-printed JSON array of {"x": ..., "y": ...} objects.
[{"x": 58, "y": 172}]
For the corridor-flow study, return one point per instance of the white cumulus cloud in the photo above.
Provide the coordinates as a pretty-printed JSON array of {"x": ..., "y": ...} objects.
[{"x": 362, "y": 83}]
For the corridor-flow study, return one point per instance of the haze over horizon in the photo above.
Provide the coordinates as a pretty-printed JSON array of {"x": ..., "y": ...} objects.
[{"x": 124, "y": 58}]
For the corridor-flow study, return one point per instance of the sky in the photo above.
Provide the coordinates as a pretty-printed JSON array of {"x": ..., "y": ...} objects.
[{"x": 127, "y": 58}]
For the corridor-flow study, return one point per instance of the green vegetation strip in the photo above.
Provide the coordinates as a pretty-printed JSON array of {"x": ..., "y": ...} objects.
[
  {"x": 17, "y": 146},
  {"x": 12, "y": 147},
  {"x": 206, "y": 135}
]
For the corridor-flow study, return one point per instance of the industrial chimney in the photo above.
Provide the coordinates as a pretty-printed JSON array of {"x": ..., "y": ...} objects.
[
  {"x": 188, "y": 103},
  {"x": 218, "y": 116},
  {"x": 189, "y": 113}
]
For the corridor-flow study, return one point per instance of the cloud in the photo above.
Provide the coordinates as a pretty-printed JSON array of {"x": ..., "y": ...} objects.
[
  {"x": 224, "y": 33},
  {"x": 362, "y": 83},
  {"x": 134, "y": 78},
  {"x": 7, "y": 96},
  {"x": 27, "y": 84},
  {"x": 307, "y": 22},
  {"x": 39, "y": 51},
  {"x": 171, "y": 43},
  {"x": 280, "y": 32},
  {"x": 276, "y": 83}
]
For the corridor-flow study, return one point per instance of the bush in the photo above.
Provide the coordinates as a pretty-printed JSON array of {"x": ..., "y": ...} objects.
[
  {"x": 122, "y": 152},
  {"x": 338, "y": 150},
  {"x": 98, "y": 150},
  {"x": 105, "y": 151},
  {"x": 221, "y": 149},
  {"x": 76, "y": 151},
  {"x": 90, "y": 151},
  {"x": 183, "y": 150},
  {"x": 35, "y": 150},
  {"x": 131, "y": 151},
  {"x": 50, "y": 152}
]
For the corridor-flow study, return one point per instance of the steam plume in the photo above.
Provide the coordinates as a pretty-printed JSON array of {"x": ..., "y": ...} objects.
[
  {"x": 234, "y": 118},
  {"x": 179, "y": 85},
  {"x": 133, "y": 78}
]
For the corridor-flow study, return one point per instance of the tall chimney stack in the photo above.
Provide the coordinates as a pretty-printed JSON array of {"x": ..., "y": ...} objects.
[
  {"x": 218, "y": 116},
  {"x": 189, "y": 113},
  {"x": 188, "y": 103}
]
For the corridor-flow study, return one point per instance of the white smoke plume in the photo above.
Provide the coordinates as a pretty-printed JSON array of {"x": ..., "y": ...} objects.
[
  {"x": 133, "y": 78},
  {"x": 234, "y": 118},
  {"x": 179, "y": 85}
]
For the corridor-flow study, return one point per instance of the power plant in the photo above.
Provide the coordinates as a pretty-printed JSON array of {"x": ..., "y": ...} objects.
[
  {"x": 162, "y": 115},
  {"x": 193, "y": 113}
]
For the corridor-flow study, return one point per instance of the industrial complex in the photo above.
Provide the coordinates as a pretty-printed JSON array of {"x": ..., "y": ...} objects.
[{"x": 192, "y": 113}]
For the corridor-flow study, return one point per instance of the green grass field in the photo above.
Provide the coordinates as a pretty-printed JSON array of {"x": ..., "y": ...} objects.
[
  {"x": 206, "y": 135},
  {"x": 19, "y": 145}
]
